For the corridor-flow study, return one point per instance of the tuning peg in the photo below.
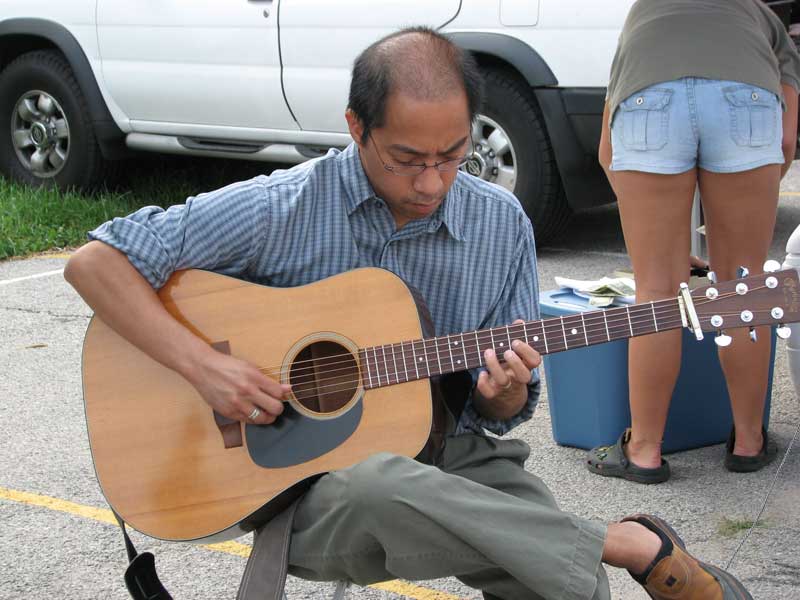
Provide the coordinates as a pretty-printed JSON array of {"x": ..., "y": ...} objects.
[
  {"x": 712, "y": 277},
  {"x": 753, "y": 335},
  {"x": 723, "y": 340},
  {"x": 742, "y": 272},
  {"x": 771, "y": 266},
  {"x": 783, "y": 332}
]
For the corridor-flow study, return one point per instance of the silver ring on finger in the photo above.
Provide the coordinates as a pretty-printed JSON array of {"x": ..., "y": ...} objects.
[{"x": 254, "y": 414}]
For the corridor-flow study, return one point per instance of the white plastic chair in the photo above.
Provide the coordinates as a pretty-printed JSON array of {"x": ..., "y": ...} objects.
[{"x": 793, "y": 343}]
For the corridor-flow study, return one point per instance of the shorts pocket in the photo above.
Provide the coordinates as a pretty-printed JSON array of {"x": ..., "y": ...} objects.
[
  {"x": 753, "y": 113},
  {"x": 645, "y": 119}
]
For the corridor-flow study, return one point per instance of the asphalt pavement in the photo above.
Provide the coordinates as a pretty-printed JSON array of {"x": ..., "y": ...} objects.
[{"x": 57, "y": 540}]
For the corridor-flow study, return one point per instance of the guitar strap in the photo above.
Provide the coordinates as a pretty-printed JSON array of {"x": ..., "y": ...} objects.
[
  {"x": 141, "y": 578},
  {"x": 264, "y": 575}
]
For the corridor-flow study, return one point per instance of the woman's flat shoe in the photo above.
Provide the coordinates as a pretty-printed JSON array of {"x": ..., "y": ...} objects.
[
  {"x": 749, "y": 464},
  {"x": 610, "y": 461}
]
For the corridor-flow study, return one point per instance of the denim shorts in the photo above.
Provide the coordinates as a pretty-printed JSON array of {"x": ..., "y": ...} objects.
[{"x": 720, "y": 126}]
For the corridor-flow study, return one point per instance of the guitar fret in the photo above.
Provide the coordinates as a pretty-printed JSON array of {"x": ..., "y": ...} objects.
[
  {"x": 508, "y": 335},
  {"x": 450, "y": 350},
  {"x": 424, "y": 359},
  {"x": 386, "y": 366},
  {"x": 464, "y": 351},
  {"x": 375, "y": 356},
  {"x": 655, "y": 321},
  {"x": 478, "y": 349},
  {"x": 405, "y": 366},
  {"x": 586, "y": 337},
  {"x": 366, "y": 363},
  {"x": 414, "y": 356},
  {"x": 630, "y": 325},
  {"x": 605, "y": 320},
  {"x": 438, "y": 359},
  {"x": 544, "y": 338},
  {"x": 564, "y": 332},
  {"x": 394, "y": 362}
]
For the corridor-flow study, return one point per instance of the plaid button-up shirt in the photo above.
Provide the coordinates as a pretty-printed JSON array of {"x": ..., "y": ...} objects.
[{"x": 473, "y": 260}]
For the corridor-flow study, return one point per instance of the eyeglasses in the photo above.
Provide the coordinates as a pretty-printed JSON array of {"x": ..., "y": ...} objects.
[{"x": 412, "y": 170}]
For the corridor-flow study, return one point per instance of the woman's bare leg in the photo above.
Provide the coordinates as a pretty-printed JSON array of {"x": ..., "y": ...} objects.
[
  {"x": 656, "y": 213},
  {"x": 740, "y": 211}
]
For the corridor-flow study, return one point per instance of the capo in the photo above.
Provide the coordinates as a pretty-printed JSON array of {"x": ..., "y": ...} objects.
[{"x": 687, "y": 308}]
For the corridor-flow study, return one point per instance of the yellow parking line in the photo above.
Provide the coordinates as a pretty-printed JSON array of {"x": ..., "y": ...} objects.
[
  {"x": 52, "y": 255},
  {"x": 103, "y": 515}
]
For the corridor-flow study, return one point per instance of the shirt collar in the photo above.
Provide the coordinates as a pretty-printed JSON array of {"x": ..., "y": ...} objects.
[
  {"x": 356, "y": 185},
  {"x": 358, "y": 190}
]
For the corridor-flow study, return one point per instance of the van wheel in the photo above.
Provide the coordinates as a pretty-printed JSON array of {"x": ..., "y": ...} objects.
[
  {"x": 511, "y": 149},
  {"x": 46, "y": 134}
]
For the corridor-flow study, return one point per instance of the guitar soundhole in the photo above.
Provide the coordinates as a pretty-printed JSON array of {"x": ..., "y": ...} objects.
[{"x": 324, "y": 377}]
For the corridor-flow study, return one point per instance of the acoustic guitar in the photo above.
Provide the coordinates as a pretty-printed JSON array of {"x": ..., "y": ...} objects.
[{"x": 353, "y": 350}]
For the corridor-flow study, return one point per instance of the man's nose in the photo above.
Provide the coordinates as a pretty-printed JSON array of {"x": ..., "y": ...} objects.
[{"x": 429, "y": 182}]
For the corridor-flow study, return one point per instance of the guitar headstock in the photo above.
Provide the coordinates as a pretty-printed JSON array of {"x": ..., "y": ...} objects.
[{"x": 764, "y": 299}]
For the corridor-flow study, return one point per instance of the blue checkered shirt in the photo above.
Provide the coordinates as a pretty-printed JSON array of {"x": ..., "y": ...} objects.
[{"x": 473, "y": 260}]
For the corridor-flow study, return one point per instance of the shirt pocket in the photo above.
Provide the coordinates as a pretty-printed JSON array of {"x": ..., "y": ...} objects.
[
  {"x": 753, "y": 112},
  {"x": 645, "y": 119}
]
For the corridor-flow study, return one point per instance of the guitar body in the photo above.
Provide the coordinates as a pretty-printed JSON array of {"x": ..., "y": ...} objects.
[{"x": 158, "y": 451}]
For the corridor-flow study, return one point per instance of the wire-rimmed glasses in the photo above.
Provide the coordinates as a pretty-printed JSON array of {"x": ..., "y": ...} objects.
[{"x": 414, "y": 169}]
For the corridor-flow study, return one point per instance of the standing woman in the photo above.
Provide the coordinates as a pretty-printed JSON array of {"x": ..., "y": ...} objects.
[{"x": 702, "y": 92}]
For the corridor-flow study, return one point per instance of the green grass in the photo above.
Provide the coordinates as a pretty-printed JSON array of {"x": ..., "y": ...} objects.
[
  {"x": 730, "y": 527},
  {"x": 34, "y": 220}
]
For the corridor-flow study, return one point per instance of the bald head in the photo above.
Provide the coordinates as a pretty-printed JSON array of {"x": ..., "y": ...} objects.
[{"x": 418, "y": 62}]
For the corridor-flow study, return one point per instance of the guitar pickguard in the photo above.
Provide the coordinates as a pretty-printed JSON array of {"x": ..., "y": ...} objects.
[{"x": 295, "y": 438}]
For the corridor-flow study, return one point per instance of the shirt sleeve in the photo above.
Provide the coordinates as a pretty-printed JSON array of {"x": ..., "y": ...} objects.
[
  {"x": 519, "y": 300},
  {"x": 784, "y": 48},
  {"x": 215, "y": 231}
]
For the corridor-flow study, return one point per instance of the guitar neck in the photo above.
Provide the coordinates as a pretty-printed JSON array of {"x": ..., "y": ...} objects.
[{"x": 416, "y": 359}]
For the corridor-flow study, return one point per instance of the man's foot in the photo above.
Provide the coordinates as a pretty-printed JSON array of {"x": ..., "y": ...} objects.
[
  {"x": 612, "y": 461},
  {"x": 675, "y": 574}
]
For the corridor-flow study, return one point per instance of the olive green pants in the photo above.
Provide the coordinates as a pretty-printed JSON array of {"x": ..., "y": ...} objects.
[{"x": 478, "y": 516}]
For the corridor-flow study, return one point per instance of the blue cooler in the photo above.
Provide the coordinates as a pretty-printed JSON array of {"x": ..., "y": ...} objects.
[{"x": 587, "y": 389}]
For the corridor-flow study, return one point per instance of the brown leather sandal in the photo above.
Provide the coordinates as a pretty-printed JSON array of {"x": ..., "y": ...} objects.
[{"x": 675, "y": 574}]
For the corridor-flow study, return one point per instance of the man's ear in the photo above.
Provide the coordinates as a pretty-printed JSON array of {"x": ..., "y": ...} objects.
[{"x": 355, "y": 126}]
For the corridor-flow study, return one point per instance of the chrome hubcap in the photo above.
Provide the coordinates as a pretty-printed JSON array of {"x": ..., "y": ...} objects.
[
  {"x": 40, "y": 133},
  {"x": 493, "y": 157}
]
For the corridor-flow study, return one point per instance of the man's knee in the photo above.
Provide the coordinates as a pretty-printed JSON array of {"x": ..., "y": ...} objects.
[{"x": 375, "y": 482}]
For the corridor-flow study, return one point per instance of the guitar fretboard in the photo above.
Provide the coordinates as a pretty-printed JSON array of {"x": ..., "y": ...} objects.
[{"x": 400, "y": 362}]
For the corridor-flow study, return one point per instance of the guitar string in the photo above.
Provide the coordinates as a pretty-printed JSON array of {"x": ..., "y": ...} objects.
[
  {"x": 618, "y": 322},
  {"x": 558, "y": 343},
  {"x": 313, "y": 384},
  {"x": 640, "y": 312},
  {"x": 471, "y": 349},
  {"x": 385, "y": 372}
]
